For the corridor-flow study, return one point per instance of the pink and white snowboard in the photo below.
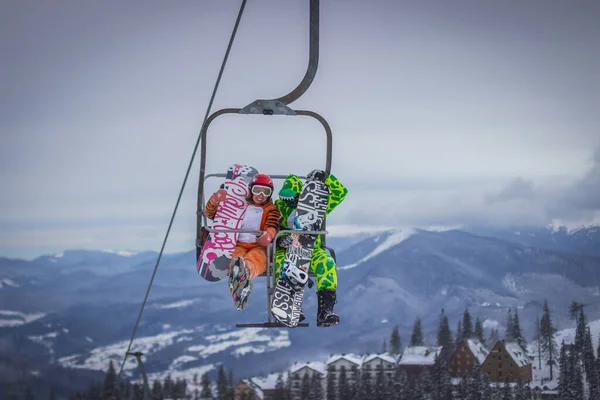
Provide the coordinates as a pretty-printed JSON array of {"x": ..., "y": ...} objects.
[{"x": 213, "y": 263}]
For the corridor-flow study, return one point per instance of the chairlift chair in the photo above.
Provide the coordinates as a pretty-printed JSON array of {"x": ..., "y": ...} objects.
[{"x": 268, "y": 107}]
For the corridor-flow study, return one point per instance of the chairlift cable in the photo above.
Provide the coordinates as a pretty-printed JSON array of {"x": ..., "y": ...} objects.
[{"x": 237, "y": 22}]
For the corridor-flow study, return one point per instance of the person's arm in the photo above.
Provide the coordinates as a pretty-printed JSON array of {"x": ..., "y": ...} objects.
[
  {"x": 272, "y": 222},
  {"x": 213, "y": 203},
  {"x": 337, "y": 192}
]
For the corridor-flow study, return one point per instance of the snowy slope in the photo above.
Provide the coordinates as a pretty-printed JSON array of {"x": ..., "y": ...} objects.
[
  {"x": 383, "y": 242},
  {"x": 10, "y": 318}
]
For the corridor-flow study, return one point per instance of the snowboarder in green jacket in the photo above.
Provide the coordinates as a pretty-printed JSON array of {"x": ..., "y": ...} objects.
[{"x": 322, "y": 263}]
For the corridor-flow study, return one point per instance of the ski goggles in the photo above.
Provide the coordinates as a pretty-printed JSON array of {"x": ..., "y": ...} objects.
[{"x": 262, "y": 190}]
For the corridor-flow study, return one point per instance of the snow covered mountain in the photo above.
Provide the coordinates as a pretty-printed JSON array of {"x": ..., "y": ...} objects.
[
  {"x": 78, "y": 311},
  {"x": 580, "y": 240}
]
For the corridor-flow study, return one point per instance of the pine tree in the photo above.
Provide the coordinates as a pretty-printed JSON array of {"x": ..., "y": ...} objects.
[
  {"x": 168, "y": 386},
  {"x": 508, "y": 334},
  {"x": 379, "y": 385},
  {"x": 388, "y": 387},
  {"x": 157, "y": 390},
  {"x": 564, "y": 377},
  {"x": 111, "y": 387},
  {"x": 475, "y": 386},
  {"x": 547, "y": 332},
  {"x": 356, "y": 392},
  {"x": 230, "y": 386},
  {"x": 496, "y": 392},
  {"x": 493, "y": 338},
  {"x": 538, "y": 339},
  {"x": 576, "y": 378},
  {"x": 280, "y": 387},
  {"x": 440, "y": 379},
  {"x": 221, "y": 384},
  {"x": 574, "y": 309},
  {"x": 467, "y": 325},
  {"x": 589, "y": 363},
  {"x": 517, "y": 334},
  {"x": 459, "y": 330},
  {"x": 28, "y": 393},
  {"x": 288, "y": 386},
  {"x": 479, "y": 331},
  {"x": 399, "y": 383},
  {"x": 206, "y": 392},
  {"x": 316, "y": 388},
  {"x": 180, "y": 389},
  {"x": 463, "y": 388},
  {"x": 305, "y": 387},
  {"x": 343, "y": 385},
  {"x": 597, "y": 364},
  {"x": 384, "y": 347},
  {"x": 424, "y": 386},
  {"x": 138, "y": 392},
  {"x": 488, "y": 392},
  {"x": 331, "y": 387},
  {"x": 395, "y": 341},
  {"x": 365, "y": 387},
  {"x": 412, "y": 390},
  {"x": 580, "y": 333},
  {"x": 521, "y": 392},
  {"x": 52, "y": 395},
  {"x": 507, "y": 391},
  {"x": 126, "y": 390},
  {"x": 416, "y": 339},
  {"x": 444, "y": 337}
]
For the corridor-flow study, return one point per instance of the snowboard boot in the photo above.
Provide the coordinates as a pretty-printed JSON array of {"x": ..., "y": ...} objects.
[
  {"x": 325, "y": 314},
  {"x": 240, "y": 285}
]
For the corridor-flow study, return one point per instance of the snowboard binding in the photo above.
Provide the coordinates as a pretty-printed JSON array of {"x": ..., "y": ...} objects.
[{"x": 295, "y": 276}]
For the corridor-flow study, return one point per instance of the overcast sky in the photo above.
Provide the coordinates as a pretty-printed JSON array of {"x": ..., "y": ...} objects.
[{"x": 444, "y": 113}]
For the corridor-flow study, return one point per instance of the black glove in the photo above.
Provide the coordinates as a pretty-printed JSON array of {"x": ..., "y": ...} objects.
[{"x": 316, "y": 175}]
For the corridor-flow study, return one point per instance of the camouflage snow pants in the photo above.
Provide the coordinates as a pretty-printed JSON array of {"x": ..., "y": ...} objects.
[{"x": 321, "y": 264}]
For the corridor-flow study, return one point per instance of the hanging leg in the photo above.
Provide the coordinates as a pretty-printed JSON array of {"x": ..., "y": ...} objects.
[{"x": 324, "y": 268}]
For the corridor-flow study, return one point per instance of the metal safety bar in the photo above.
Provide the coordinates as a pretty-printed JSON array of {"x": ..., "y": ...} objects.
[
  {"x": 200, "y": 221},
  {"x": 223, "y": 175}
]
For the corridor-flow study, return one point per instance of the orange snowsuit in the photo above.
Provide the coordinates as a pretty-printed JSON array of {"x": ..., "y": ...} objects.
[{"x": 259, "y": 218}]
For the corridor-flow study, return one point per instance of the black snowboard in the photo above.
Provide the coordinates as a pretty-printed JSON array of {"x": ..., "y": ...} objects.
[{"x": 289, "y": 291}]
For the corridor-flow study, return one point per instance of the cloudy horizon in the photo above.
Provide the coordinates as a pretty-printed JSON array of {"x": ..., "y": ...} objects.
[{"x": 443, "y": 113}]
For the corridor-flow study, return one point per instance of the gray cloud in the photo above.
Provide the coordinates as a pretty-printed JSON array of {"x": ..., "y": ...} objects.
[
  {"x": 515, "y": 201},
  {"x": 518, "y": 188},
  {"x": 585, "y": 194}
]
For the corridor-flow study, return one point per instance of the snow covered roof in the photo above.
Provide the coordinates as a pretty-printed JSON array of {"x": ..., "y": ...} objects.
[
  {"x": 517, "y": 353},
  {"x": 383, "y": 356},
  {"x": 266, "y": 382},
  {"x": 314, "y": 365},
  {"x": 420, "y": 355},
  {"x": 353, "y": 358},
  {"x": 259, "y": 384},
  {"x": 478, "y": 349}
]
